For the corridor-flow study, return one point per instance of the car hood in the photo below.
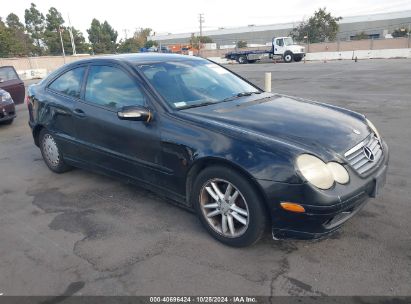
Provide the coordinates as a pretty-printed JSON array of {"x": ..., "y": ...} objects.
[{"x": 309, "y": 125}]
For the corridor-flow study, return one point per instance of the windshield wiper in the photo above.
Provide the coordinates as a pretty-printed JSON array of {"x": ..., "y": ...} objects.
[
  {"x": 241, "y": 94},
  {"x": 196, "y": 105},
  {"x": 238, "y": 95}
]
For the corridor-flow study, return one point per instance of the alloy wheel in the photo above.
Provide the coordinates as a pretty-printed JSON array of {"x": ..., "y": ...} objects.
[{"x": 224, "y": 208}]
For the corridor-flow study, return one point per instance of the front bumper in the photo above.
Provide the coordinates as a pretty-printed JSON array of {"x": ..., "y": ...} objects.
[
  {"x": 325, "y": 210},
  {"x": 7, "y": 112}
]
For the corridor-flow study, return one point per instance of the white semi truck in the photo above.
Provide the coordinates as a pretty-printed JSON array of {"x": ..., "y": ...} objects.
[{"x": 281, "y": 48}]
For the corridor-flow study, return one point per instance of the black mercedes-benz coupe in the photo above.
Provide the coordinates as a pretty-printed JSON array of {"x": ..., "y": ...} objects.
[{"x": 196, "y": 132}]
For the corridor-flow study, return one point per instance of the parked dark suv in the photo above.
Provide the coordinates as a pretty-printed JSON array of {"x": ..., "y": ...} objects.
[
  {"x": 11, "y": 82},
  {"x": 210, "y": 140}
]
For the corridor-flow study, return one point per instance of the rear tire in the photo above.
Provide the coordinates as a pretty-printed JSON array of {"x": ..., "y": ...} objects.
[
  {"x": 51, "y": 153},
  {"x": 228, "y": 206}
]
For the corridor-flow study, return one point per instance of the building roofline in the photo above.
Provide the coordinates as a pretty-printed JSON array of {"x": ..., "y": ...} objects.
[{"x": 284, "y": 26}]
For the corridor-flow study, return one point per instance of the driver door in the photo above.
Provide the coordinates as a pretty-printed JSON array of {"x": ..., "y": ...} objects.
[
  {"x": 130, "y": 148},
  {"x": 279, "y": 47}
]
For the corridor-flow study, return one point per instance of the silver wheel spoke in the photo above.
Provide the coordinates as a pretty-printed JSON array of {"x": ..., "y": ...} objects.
[
  {"x": 224, "y": 223},
  {"x": 239, "y": 210},
  {"x": 233, "y": 198},
  {"x": 212, "y": 193},
  {"x": 228, "y": 192},
  {"x": 224, "y": 208},
  {"x": 211, "y": 206},
  {"x": 217, "y": 191},
  {"x": 239, "y": 218},
  {"x": 231, "y": 224},
  {"x": 213, "y": 213}
]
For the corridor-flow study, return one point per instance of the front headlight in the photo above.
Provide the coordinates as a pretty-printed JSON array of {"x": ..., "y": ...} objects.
[
  {"x": 320, "y": 174},
  {"x": 339, "y": 173},
  {"x": 5, "y": 97},
  {"x": 373, "y": 128},
  {"x": 315, "y": 171}
]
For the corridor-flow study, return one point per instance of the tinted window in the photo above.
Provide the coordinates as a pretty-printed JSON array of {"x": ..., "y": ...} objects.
[
  {"x": 69, "y": 83},
  {"x": 194, "y": 82},
  {"x": 8, "y": 73},
  {"x": 280, "y": 42},
  {"x": 111, "y": 87}
]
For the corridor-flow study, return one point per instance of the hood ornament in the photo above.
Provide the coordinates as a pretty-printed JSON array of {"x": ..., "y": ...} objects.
[{"x": 369, "y": 154}]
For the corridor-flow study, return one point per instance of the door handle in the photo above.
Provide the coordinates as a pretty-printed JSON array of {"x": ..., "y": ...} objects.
[{"x": 79, "y": 113}]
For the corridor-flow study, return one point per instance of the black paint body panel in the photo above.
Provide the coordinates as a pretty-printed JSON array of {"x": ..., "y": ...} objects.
[{"x": 259, "y": 135}]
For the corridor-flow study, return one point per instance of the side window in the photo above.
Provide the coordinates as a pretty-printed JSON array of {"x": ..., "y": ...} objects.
[
  {"x": 111, "y": 87},
  {"x": 8, "y": 73},
  {"x": 280, "y": 42},
  {"x": 69, "y": 83}
]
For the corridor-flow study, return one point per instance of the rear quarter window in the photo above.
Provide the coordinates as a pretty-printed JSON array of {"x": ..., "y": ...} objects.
[{"x": 69, "y": 83}]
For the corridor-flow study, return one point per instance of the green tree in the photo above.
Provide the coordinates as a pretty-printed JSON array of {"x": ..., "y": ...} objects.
[
  {"x": 319, "y": 28},
  {"x": 5, "y": 40},
  {"x": 139, "y": 40},
  {"x": 54, "y": 24},
  {"x": 82, "y": 46},
  {"x": 35, "y": 26},
  {"x": 20, "y": 44},
  {"x": 13, "y": 21},
  {"x": 129, "y": 45},
  {"x": 241, "y": 44},
  {"x": 195, "y": 40},
  {"x": 150, "y": 43},
  {"x": 400, "y": 32},
  {"x": 102, "y": 37}
]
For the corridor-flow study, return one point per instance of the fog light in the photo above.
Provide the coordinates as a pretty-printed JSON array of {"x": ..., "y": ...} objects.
[{"x": 292, "y": 207}]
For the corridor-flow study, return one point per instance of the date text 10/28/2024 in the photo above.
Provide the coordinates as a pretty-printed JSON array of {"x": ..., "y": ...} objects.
[{"x": 203, "y": 299}]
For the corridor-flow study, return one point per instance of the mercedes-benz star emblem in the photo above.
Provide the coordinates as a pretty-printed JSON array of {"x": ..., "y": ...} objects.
[
  {"x": 368, "y": 154},
  {"x": 356, "y": 131}
]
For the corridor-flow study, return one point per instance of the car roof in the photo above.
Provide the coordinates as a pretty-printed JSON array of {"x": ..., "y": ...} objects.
[{"x": 137, "y": 58}]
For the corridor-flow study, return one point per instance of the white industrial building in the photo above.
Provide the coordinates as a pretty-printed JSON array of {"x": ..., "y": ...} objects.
[{"x": 375, "y": 26}]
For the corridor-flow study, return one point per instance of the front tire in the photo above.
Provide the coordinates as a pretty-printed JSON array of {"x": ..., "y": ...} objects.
[
  {"x": 242, "y": 60},
  {"x": 51, "y": 153},
  {"x": 228, "y": 206},
  {"x": 288, "y": 57}
]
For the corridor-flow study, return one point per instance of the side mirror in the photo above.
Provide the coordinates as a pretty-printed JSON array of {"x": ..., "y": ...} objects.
[{"x": 136, "y": 113}]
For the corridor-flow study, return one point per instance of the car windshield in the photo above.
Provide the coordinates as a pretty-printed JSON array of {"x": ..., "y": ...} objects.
[
  {"x": 288, "y": 41},
  {"x": 7, "y": 73},
  {"x": 192, "y": 83}
]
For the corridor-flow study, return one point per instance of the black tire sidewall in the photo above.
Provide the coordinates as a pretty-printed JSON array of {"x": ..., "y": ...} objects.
[
  {"x": 257, "y": 212},
  {"x": 286, "y": 54},
  {"x": 61, "y": 167}
]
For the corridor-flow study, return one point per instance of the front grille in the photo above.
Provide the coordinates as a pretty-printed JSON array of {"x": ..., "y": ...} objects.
[{"x": 357, "y": 156}]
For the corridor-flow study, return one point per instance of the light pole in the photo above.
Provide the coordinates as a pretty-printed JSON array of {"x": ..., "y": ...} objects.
[
  {"x": 62, "y": 45},
  {"x": 201, "y": 19}
]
